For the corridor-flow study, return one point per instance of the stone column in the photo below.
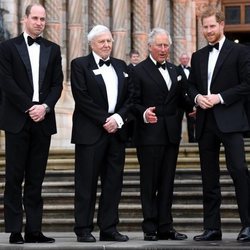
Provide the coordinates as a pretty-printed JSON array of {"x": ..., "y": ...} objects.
[
  {"x": 11, "y": 17},
  {"x": 54, "y": 32},
  {"x": 75, "y": 30},
  {"x": 160, "y": 13},
  {"x": 200, "y": 5},
  {"x": 119, "y": 29},
  {"x": 98, "y": 13},
  {"x": 53, "y": 10},
  {"x": 179, "y": 39},
  {"x": 140, "y": 27}
]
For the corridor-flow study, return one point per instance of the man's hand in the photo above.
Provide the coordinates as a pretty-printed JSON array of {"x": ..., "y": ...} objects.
[
  {"x": 204, "y": 102},
  {"x": 110, "y": 125},
  {"x": 192, "y": 114},
  {"x": 150, "y": 115},
  {"x": 213, "y": 98},
  {"x": 37, "y": 112}
]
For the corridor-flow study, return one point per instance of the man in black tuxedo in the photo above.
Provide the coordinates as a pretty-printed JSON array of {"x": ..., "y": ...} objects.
[
  {"x": 134, "y": 57},
  {"x": 102, "y": 93},
  {"x": 159, "y": 93},
  {"x": 219, "y": 83},
  {"x": 185, "y": 71},
  {"x": 31, "y": 83}
]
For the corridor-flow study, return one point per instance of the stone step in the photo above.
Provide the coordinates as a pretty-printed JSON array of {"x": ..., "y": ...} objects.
[
  {"x": 134, "y": 224},
  {"x": 58, "y": 193}
]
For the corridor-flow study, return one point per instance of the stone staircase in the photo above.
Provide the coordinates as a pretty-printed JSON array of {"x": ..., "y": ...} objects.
[{"x": 58, "y": 193}]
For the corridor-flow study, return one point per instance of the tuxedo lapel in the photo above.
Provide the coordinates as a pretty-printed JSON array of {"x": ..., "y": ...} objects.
[
  {"x": 204, "y": 67},
  {"x": 44, "y": 59},
  {"x": 173, "y": 76},
  {"x": 226, "y": 48},
  {"x": 98, "y": 77},
  {"x": 155, "y": 75},
  {"x": 120, "y": 76},
  {"x": 23, "y": 53}
]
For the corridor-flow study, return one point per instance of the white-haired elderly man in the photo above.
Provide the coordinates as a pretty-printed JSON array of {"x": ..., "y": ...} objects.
[
  {"x": 159, "y": 92},
  {"x": 102, "y": 93}
]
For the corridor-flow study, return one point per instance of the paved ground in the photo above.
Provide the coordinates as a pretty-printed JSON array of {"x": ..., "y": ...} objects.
[{"x": 67, "y": 241}]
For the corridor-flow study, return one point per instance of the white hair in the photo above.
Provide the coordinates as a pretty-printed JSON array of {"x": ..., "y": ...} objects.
[
  {"x": 97, "y": 30},
  {"x": 157, "y": 31}
]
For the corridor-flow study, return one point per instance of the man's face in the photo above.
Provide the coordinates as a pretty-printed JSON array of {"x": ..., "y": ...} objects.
[
  {"x": 35, "y": 21},
  {"x": 102, "y": 45},
  {"x": 159, "y": 49},
  {"x": 184, "y": 60},
  {"x": 212, "y": 30},
  {"x": 134, "y": 59}
]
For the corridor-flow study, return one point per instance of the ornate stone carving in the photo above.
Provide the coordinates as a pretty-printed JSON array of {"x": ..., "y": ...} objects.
[
  {"x": 140, "y": 30},
  {"x": 119, "y": 11},
  {"x": 98, "y": 12},
  {"x": 159, "y": 13}
]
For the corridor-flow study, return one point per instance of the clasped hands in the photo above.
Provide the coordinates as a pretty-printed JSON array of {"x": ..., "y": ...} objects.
[
  {"x": 207, "y": 101},
  {"x": 37, "y": 112}
]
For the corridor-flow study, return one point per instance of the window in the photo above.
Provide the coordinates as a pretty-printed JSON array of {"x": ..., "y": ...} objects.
[
  {"x": 232, "y": 14},
  {"x": 237, "y": 15},
  {"x": 247, "y": 14}
]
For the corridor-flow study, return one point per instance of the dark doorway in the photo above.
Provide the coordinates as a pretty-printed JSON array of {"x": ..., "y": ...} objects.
[{"x": 242, "y": 37}]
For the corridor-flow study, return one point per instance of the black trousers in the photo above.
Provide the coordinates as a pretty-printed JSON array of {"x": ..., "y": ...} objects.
[
  {"x": 104, "y": 159},
  {"x": 26, "y": 160},
  {"x": 209, "y": 147},
  {"x": 157, "y": 172}
]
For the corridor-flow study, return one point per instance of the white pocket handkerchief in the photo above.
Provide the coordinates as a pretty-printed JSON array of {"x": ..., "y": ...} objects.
[
  {"x": 179, "y": 78},
  {"x": 97, "y": 71},
  {"x": 125, "y": 74}
]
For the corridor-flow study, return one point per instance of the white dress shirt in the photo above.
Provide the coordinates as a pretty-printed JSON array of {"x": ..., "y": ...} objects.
[
  {"x": 212, "y": 59},
  {"x": 111, "y": 82},
  {"x": 34, "y": 55},
  {"x": 164, "y": 73}
]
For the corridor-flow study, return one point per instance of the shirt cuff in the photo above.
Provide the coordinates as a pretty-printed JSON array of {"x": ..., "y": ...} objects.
[
  {"x": 118, "y": 120},
  {"x": 221, "y": 99},
  {"x": 144, "y": 117},
  {"x": 195, "y": 99}
]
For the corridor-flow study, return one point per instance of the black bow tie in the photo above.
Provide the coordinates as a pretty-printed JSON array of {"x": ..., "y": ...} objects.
[
  {"x": 101, "y": 62},
  {"x": 163, "y": 65},
  {"x": 36, "y": 40},
  {"x": 210, "y": 46}
]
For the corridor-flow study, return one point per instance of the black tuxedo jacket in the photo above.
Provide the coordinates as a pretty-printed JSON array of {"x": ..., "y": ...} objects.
[
  {"x": 17, "y": 84},
  {"x": 91, "y": 102},
  {"x": 151, "y": 90},
  {"x": 231, "y": 79}
]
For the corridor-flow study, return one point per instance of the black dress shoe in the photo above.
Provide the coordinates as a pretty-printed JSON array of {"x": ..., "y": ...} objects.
[
  {"x": 244, "y": 235},
  {"x": 209, "y": 235},
  {"x": 114, "y": 236},
  {"x": 86, "y": 237},
  {"x": 150, "y": 236},
  {"x": 37, "y": 237},
  {"x": 172, "y": 235},
  {"x": 16, "y": 238}
]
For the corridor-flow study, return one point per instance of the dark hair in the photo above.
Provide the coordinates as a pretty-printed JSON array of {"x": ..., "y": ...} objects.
[
  {"x": 28, "y": 8},
  {"x": 134, "y": 51},
  {"x": 212, "y": 11}
]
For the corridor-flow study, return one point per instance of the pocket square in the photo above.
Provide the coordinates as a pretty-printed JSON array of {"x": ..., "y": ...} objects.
[
  {"x": 96, "y": 71},
  {"x": 179, "y": 78},
  {"x": 125, "y": 74}
]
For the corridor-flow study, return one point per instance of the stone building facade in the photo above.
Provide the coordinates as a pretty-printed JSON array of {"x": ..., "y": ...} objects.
[{"x": 68, "y": 22}]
